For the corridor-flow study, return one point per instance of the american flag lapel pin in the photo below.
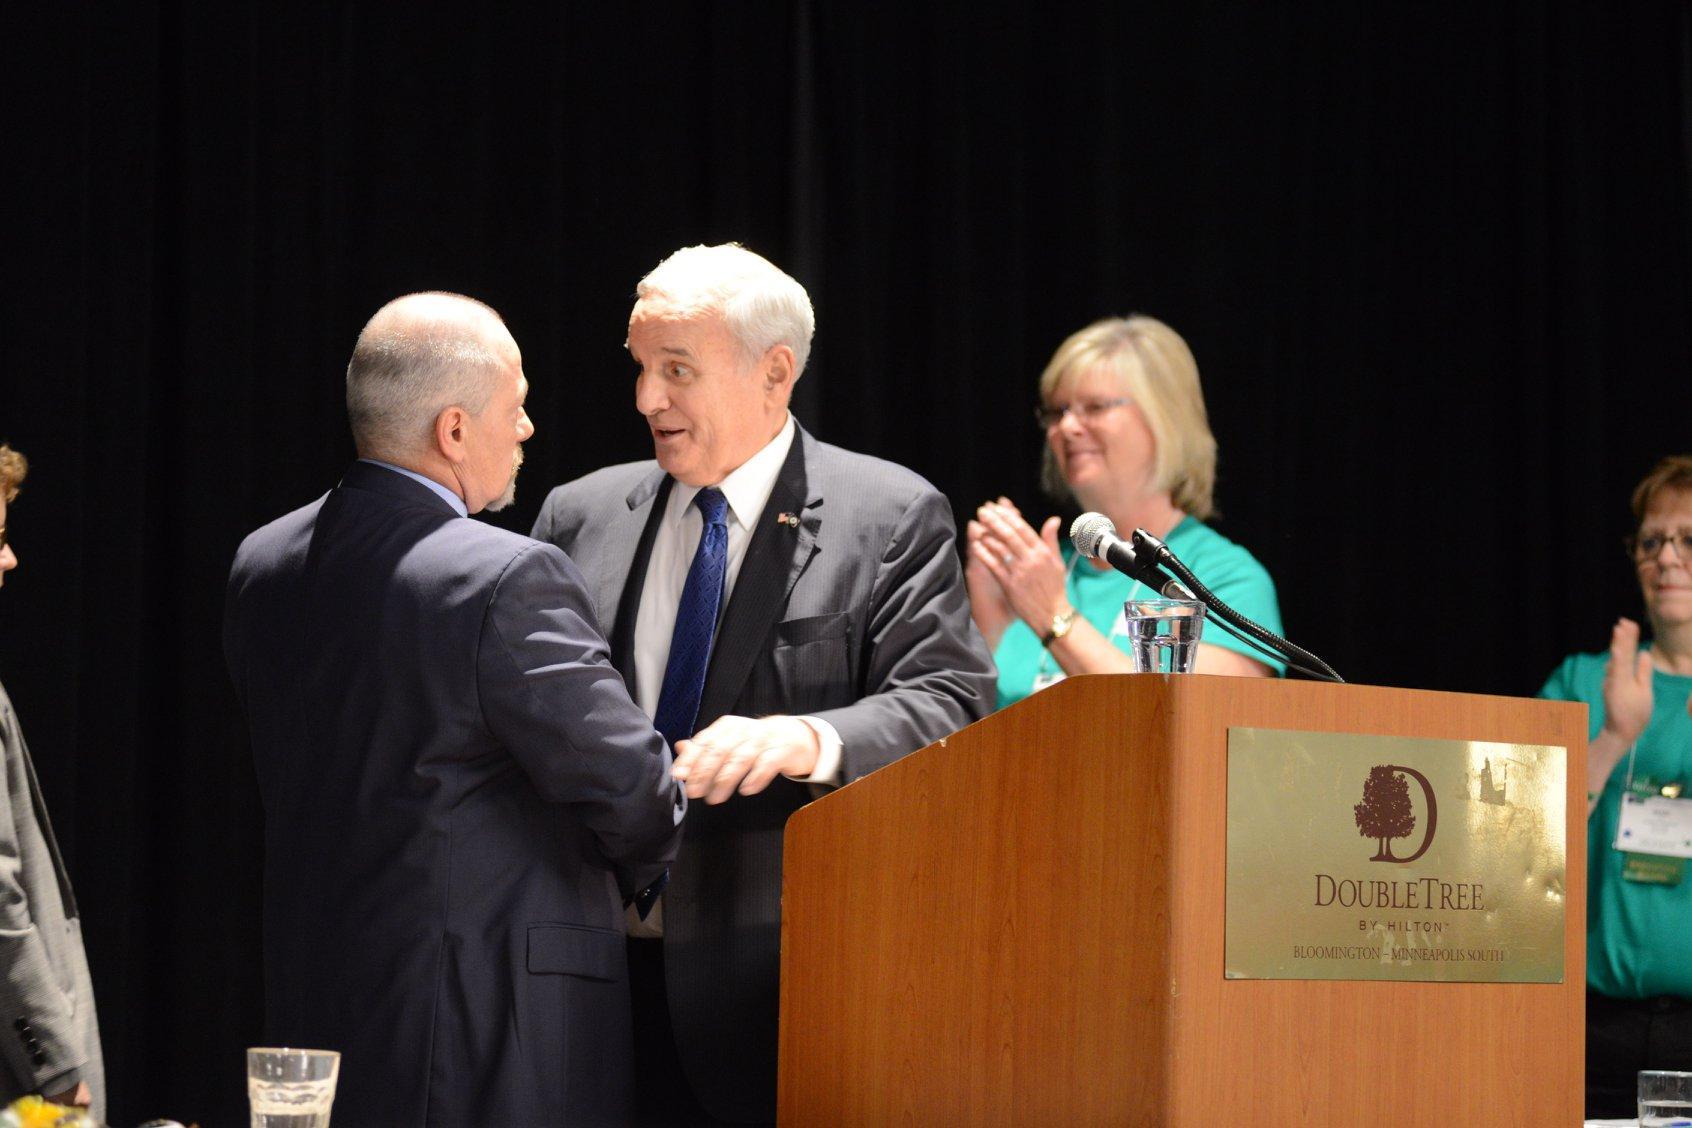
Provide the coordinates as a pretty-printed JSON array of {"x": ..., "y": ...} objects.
[{"x": 791, "y": 520}]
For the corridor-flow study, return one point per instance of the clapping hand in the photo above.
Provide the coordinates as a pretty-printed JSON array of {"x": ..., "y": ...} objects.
[
  {"x": 1627, "y": 684},
  {"x": 988, "y": 605},
  {"x": 1026, "y": 565}
]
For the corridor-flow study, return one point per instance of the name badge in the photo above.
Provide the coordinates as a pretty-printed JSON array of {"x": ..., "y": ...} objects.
[
  {"x": 1655, "y": 825},
  {"x": 1043, "y": 679}
]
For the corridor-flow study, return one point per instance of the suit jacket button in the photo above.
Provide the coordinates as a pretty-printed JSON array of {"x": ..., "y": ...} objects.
[{"x": 38, "y": 1058}]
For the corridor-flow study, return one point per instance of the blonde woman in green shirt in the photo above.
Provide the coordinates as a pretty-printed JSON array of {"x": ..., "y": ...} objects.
[{"x": 1127, "y": 435}]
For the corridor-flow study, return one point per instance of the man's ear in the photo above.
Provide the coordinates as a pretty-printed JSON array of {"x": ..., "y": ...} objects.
[
  {"x": 779, "y": 372},
  {"x": 449, "y": 433}
]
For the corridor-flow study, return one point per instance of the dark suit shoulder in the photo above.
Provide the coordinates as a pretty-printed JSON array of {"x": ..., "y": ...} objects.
[
  {"x": 470, "y": 544},
  {"x": 494, "y": 547},
  {"x": 864, "y": 476},
  {"x": 265, "y": 542}
]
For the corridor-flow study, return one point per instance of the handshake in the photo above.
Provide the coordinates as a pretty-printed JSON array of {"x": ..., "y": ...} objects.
[{"x": 741, "y": 755}]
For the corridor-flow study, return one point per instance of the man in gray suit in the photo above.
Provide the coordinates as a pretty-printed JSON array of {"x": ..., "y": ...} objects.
[
  {"x": 51, "y": 1041},
  {"x": 796, "y": 609},
  {"x": 459, "y": 796}
]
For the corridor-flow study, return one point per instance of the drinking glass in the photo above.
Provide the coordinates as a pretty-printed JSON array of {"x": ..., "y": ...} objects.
[
  {"x": 1664, "y": 1098},
  {"x": 1163, "y": 634},
  {"x": 289, "y": 1088}
]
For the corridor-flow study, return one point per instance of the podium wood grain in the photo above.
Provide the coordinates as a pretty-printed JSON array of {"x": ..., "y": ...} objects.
[{"x": 1023, "y": 924}]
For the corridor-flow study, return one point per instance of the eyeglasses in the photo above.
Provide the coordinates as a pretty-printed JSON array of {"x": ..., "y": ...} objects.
[
  {"x": 1086, "y": 411},
  {"x": 1645, "y": 547}
]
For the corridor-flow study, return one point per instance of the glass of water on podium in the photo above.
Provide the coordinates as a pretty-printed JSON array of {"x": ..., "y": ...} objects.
[
  {"x": 1163, "y": 634},
  {"x": 1664, "y": 1098},
  {"x": 289, "y": 1088}
]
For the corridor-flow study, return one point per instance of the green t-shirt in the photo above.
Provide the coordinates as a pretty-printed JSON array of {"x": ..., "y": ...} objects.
[
  {"x": 1636, "y": 933},
  {"x": 1226, "y": 569}
]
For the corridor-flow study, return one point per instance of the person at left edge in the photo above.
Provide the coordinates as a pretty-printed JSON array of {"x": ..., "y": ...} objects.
[
  {"x": 459, "y": 795},
  {"x": 50, "y": 1040}
]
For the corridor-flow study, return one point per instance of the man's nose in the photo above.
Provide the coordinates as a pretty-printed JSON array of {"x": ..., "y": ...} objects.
[{"x": 649, "y": 395}]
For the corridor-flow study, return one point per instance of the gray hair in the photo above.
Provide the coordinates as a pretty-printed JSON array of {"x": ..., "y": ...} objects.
[
  {"x": 760, "y": 304},
  {"x": 420, "y": 355}
]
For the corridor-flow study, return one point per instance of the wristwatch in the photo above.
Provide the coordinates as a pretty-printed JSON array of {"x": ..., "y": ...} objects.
[{"x": 1061, "y": 622}]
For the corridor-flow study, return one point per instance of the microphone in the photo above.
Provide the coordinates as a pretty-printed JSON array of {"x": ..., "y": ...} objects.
[{"x": 1095, "y": 536}]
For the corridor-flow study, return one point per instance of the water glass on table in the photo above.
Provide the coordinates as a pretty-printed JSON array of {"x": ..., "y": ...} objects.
[
  {"x": 1163, "y": 634},
  {"x": 289, "y": 1088},
  {"x": 1664, "y": 1098}
]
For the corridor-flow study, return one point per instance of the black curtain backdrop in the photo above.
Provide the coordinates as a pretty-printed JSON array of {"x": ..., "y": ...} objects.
[{"x": 1434, "y": 262}]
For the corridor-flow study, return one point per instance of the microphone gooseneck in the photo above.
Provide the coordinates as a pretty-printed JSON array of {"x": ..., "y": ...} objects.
[
  {"x": 1155, "y": 553},
  {"x": 1145, "y": 558}
]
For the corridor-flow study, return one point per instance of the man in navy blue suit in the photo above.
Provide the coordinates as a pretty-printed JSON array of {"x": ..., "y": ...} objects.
[{"x": 459, "y": 795}]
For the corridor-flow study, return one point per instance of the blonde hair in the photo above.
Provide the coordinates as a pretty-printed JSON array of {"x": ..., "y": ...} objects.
[
  {"x": 13, "y": 467},
  {"x": 1163, "y": 379}
]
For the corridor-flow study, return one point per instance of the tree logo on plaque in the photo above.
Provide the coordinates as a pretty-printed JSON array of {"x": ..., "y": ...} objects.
[{"x": 1385, "y": 812}]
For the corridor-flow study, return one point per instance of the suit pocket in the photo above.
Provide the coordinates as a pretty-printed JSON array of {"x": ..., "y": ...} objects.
[
  {"x": 812, "y": 660},
  {"x": 816, "y": 628},
  {"x": 573, "y": 949}
]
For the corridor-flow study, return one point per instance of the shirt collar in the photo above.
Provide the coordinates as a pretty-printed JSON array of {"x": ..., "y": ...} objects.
[
  {"x": 451, "y": 498},
  {"x": 749, "y": 485}
]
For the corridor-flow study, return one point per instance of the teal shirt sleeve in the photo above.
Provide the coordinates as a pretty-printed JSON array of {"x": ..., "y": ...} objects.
[
  {"x": 1560, "y": 685},
  {"x": 1580, "y": 678},
  {"x": 1236, "y": 577}
]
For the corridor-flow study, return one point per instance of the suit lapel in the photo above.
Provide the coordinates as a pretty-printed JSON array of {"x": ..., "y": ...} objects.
[
  {"x": 645, "y": 511},
  {"x": 776, "y": 555}
]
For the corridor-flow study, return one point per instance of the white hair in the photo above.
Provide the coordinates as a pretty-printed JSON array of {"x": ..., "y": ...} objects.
[
  {"x": 420, "y": 355},
  {"x": 761, "y": 305}
]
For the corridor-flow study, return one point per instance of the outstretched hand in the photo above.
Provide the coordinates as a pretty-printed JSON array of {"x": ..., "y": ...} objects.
[
  {"x": 78, "y": 1097},
  {"x": 743, "y": 754}
]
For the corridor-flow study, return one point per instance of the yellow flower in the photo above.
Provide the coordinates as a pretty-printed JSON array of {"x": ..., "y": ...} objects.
[{"x": 34, "y": 1112}]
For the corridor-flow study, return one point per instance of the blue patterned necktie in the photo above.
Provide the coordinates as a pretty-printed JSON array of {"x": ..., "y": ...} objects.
[{"x": 696, "y": 623}]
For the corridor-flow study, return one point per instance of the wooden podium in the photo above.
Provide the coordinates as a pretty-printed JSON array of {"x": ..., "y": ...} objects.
[{"x": 1024, "y": 924}]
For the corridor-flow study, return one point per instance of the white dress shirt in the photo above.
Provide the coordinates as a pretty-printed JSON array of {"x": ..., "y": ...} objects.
[{"x": 747, "y": 490}]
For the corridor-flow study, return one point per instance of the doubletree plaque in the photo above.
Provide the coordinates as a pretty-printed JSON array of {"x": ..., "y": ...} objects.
[{"x": 1380, "y": 857}]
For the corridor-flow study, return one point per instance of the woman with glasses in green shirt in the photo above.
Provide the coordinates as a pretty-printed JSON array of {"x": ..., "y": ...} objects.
[
  {"x": 1127, "y": 435},
  {"x": 1639, "y": 709}
]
